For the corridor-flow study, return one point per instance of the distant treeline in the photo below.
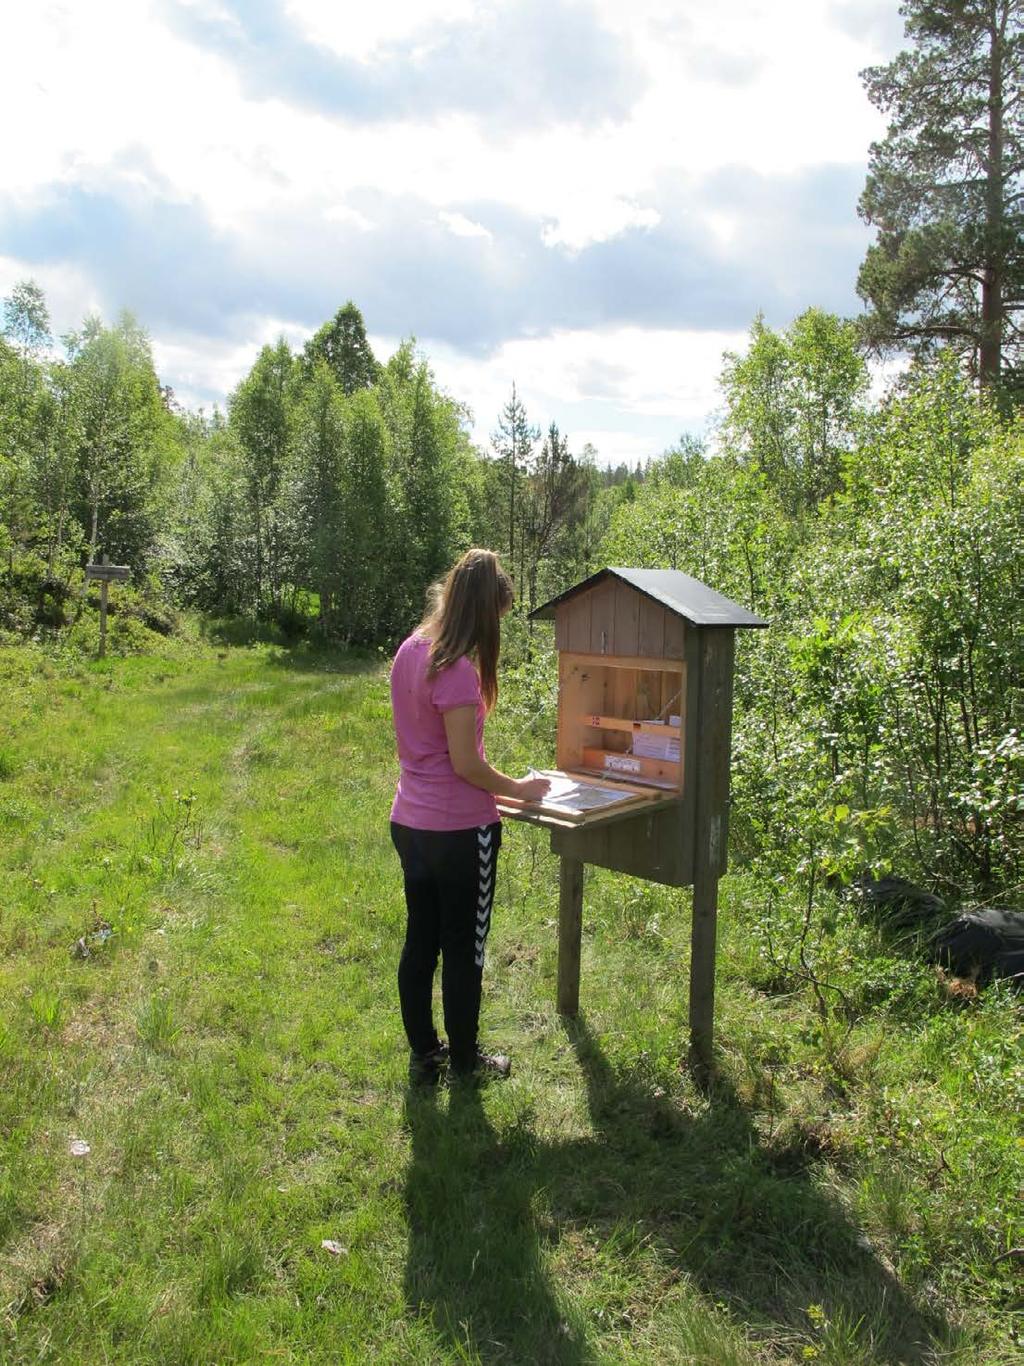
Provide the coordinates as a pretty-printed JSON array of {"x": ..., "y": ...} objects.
[{"x": 331, "y": 492}]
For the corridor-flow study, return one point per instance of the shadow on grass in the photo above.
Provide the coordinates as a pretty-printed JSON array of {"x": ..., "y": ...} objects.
[
  {"x": 303, "y": 654},
  {"x": 745, "y": 1226},
  {"x": 474, "y": 1265},
  {"x": 240, "y": 631},
  {"x": 311, "y": 657}
]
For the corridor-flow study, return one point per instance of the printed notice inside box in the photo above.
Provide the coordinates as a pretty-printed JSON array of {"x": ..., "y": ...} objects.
[{"x": 653, "y": 746}]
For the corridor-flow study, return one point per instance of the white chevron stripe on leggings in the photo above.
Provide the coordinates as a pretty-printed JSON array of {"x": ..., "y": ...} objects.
[{"x": 485, "y": 890}]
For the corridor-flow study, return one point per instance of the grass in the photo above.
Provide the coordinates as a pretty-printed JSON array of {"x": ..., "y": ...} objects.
[{"x": 198, "y": 941}]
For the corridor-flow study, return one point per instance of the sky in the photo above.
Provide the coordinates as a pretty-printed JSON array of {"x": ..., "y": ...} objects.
[{"x": 591, "y": 199}]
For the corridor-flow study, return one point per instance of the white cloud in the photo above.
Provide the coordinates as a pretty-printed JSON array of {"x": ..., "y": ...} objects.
[
  {"x": 461, "y": 226},
  {"x": 360, "y": 30},
  {"x": 724, "y": 227},
  {"x": 114, "y": 78},
  {"x": 593, "y": 218},
  {"x": 800, "y": 101},
  {"x": 345, "y": 213}
]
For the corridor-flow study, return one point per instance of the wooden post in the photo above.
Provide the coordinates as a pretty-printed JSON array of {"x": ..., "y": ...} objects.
[
  {"x": 570, "y": 933},
  {"x": 702, "y": 954},
  {"x": 714, "y": 729},
  {"x": 105, "y": 572},
  {"x": 104, "y": 585}
]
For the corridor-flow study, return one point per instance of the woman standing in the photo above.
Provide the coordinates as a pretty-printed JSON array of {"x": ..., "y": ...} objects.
[{"x": 444, "y": 822}]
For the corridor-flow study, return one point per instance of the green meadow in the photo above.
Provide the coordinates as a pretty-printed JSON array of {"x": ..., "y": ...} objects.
[{"x": 200, "y": 922}]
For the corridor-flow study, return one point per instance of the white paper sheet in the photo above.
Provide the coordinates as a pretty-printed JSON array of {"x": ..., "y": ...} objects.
[{"x": 569, "y": 794}]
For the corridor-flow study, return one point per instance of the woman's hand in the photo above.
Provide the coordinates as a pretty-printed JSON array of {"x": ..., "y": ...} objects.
[{"x": 532, "y": 789}]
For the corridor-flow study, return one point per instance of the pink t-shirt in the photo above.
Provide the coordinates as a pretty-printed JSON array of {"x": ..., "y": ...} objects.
[{"x": 431, "y": 795}]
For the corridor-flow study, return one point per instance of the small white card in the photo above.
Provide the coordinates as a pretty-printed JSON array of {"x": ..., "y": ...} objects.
[{"x": 622, "y": 763}]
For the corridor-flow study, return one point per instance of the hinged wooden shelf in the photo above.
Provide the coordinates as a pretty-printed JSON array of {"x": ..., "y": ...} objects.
[{"x": 632, "y": 800}]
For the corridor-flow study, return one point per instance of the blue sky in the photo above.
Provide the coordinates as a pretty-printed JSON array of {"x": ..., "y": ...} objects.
[{"x": 587, "y": 198}]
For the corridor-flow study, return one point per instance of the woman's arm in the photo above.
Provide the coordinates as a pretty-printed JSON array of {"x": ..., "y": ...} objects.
[{"x": 460, "y": 727}]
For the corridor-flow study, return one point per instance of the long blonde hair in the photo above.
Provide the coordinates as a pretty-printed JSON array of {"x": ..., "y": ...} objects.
[{"x": 464, "y": 618}]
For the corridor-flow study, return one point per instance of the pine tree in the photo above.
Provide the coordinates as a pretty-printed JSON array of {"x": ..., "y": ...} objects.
[{"x": 945, "y": 187}]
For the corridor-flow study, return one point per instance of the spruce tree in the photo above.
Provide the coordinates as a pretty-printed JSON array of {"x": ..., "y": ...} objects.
[{"x": 513, "y": 441}]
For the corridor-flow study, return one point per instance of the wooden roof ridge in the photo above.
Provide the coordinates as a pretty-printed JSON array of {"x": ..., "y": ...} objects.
[{"x": 687, "y": 597}]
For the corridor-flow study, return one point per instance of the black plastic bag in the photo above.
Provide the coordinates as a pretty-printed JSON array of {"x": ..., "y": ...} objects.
[{"x": 983, "y": 945}]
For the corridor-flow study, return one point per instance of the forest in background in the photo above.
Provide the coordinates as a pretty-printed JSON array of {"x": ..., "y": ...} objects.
[{"x": 878, "y": 721}]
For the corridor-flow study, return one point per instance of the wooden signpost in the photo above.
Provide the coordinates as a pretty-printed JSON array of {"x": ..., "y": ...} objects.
[
  {"x": 106, "y": 574},
  {"x": 644, "y": 704}
]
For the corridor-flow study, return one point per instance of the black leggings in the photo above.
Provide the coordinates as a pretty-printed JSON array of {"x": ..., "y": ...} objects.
[{"x": 449, "y": 889}]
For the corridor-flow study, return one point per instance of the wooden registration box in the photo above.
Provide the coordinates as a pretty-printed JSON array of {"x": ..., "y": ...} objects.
[{"x": 644, "y": 702}]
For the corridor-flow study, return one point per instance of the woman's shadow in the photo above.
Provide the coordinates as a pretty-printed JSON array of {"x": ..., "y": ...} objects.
[
  {"x": 743, "y": 1224},
  {"x": 474, "y": 1266}
]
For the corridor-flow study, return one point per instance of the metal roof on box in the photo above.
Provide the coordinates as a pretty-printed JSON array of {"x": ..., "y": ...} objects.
[{"x": 686, "y": 596}]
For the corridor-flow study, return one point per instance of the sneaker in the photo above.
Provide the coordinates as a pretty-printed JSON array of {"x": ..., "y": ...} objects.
[
  {"x": 488, "y": 1066},
  {"x": 425, "y": 1068}
]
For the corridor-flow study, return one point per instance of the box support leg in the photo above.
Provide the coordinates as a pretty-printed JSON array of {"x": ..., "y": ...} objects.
[
  {"x": 702, "y": 966},
  {"x": 711, "y": 805},
  {"x": 570, "y": 933}
]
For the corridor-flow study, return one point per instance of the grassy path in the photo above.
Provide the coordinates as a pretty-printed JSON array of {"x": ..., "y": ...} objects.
[{"x": 212, "y": 829}]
